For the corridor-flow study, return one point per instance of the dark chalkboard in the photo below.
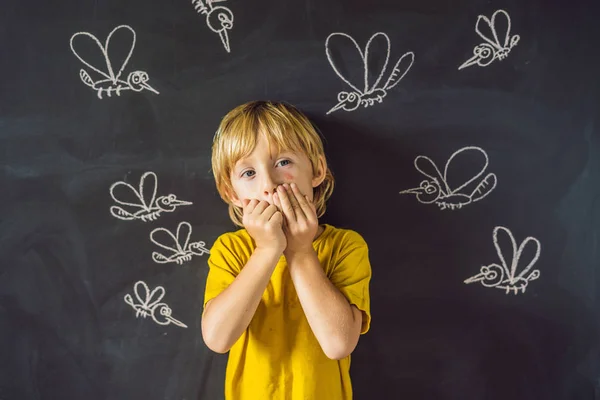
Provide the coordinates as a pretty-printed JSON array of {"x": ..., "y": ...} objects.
[{"x": 516, "y": 128}]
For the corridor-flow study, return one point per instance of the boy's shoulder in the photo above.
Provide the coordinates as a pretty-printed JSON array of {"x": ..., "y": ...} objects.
[
  {"x": 240, "y": 237},
  {"x": 344, "y": 237}
]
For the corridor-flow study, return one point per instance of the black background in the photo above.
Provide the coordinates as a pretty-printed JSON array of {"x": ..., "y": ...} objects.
[{"x": 66, "y": 263}]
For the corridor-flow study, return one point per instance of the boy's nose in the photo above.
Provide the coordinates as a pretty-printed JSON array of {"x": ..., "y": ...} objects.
[
  {"x": 272, "y": 191},
  {"x": 269, "y": 194}
]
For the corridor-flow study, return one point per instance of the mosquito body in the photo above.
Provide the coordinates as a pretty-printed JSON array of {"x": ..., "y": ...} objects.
[
  {"x": 495, "y": 47},
  {"x": 218, "y": 18},
  {"x": 179, "y": 247},
  {"x": 148, "y": 304},
  {"x": 372, "y": 92},
  {"x": 143, "y": 204},
  {"x": 437, "y": 189},
  {"x": 136, "y": 80},
  {"x": 506, "y": 276}
]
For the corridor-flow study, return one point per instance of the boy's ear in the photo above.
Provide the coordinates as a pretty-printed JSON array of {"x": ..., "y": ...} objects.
[{"x": 319, "y": 176}]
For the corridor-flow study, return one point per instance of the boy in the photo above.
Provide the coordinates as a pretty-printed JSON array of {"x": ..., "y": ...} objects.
[{"x": 287, "y": 297}]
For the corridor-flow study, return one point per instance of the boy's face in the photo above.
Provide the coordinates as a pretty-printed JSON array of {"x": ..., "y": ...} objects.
[{"x": 258, "y": 175}]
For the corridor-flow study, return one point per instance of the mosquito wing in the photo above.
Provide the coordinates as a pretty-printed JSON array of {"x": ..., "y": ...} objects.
[
  {"x": 153, "y": 297},
  {"x": 184, "y": 231},
  {"x": 524, "y": 271},
  {"x": 346, "y": 58},
  {"x": 505, "y": 245},
  {"x": 165, "y": 239},
  {"x": 464, "y": 167},
  {"x": 488, "y": 29},
  {"x": 427, "y": 167},
  {"x": 108, "y": 73},
  {"x": 378, "y": 45},
  {"x": 400, "y": 69},
  {"x": 130, "y": 201},
  {"x": 148, "y": 188}
]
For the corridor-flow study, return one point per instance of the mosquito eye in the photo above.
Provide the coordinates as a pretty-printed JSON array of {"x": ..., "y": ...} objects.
[{"x": 424, "y": 184}]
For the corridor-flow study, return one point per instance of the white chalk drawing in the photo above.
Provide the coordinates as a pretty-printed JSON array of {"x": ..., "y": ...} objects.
[
  {"x": 503, "y": 276},
  {"x": 438, "y": 190},
  {"x": 136, "y": 80},
  {"x": 148, "y": 304},
  {"x": 219, "y": 19},
  {"x": 371, "y": 92},
  {"x": 147, "y": 206},
  {"x": 179, "y": 246},
  {"x": 495, "y": 48}
]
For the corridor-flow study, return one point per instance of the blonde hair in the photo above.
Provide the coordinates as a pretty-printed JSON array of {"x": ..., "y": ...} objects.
[{"x": 280, "y": 123}]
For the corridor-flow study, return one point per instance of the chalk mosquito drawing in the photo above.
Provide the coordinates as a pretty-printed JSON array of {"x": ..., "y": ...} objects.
[
  {"x": 148, "y": 304},
  {"x": 437, "y": 188},
  {"x": 372, "y": 91},
  {"x": 179, "y": 246},
  {"x": 505, "y": 276},
  {"x": 136, "y": 80},
  {"x": 219, "y": 19},
  {"x": 147, "y": 206},
  {"x": 495, "y": 48}
]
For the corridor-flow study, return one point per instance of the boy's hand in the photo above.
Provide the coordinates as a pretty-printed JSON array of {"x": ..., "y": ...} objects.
[
  {"x": 264, "y": 223},
  {"x": 300, "y": 223}
]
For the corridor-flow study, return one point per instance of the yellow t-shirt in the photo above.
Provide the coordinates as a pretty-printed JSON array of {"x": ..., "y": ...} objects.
[{"x": 278, "y": 356}]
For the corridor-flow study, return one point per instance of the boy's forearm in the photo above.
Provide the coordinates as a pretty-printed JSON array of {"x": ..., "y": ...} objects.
[
  {"x": 229, "y": 314},
  {"x": 327, "y": 310}
]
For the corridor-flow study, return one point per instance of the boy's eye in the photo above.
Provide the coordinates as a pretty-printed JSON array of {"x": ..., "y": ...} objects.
[{"x": 244, "y": 174}]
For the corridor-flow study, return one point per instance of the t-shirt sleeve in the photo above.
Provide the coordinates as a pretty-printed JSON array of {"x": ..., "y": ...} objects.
[
  {"x": 224, "y": 266},
  {"x": 352, "y": 274}
]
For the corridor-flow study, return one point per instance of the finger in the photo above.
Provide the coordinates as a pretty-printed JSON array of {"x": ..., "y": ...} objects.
[
  {"x": 286, "y": 205},
  {"x": 268, "y": 212},
  {"x": 295, "y": 199},
  {"x": 260, "y": 207},
  {"x": 277, "y": 201},
  {"x": 277, "y": 216},
  {"x": 303, "y": 202},
  {"x": 249, "y": 204},
  {"x": 311, "y": 203}
]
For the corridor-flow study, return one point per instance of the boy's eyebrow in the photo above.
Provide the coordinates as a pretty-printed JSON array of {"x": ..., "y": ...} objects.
[{"x": 245, "y": 161}]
